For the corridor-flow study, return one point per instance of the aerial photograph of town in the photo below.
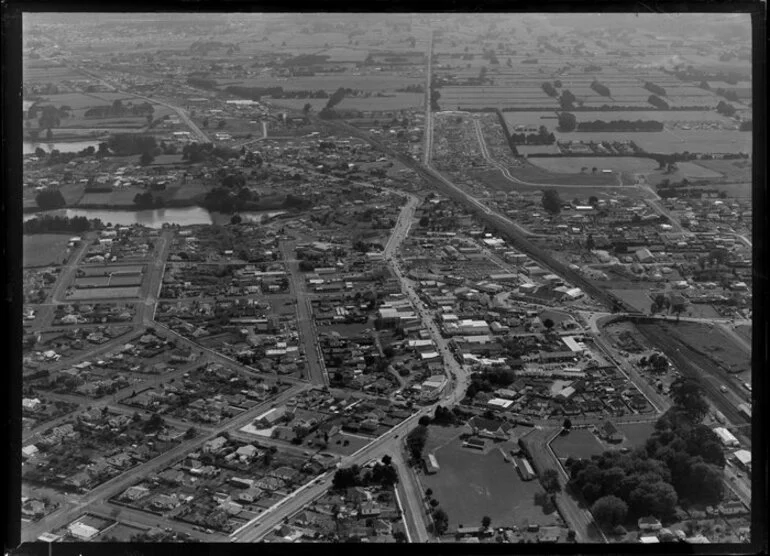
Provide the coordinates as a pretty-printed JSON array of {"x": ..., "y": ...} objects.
[{"x": 387, "y": 278}]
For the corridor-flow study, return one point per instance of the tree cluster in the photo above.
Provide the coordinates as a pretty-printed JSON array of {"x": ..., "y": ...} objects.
[
  {"x": 620, "y": 125},
  {"x": 415, "y": 442},
  {"x": 48, "y": 223},
  {"x": 567, "y": 100},
  {"x": 600, "y": 89},
  {"x": 551, "y": 201},
  {"x": 383, "y": 473},
  {"x": 655, "y": 89},
  {"x": 725, "y": 108},
  {"x": 567, "y": 121},
  {"x": 50, "y": 198},
  {"x": 549, "y": 89},
  {"x": 490, "y": 381},
  {"x": 542, "y": 137},
  {"x": 658, "y": 102}
]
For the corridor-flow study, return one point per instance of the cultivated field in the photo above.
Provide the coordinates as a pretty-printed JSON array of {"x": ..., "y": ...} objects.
[
  {"x": 44, "y": 249},
  {"x": 733, "y": 170},
  {"x": 579, "y": 443},
  {"x": 695, "y": 171},
  {"x": 471, "y": 485},
  {"x": 330, "y": 83},
  {"x": 666, "y": 142}
]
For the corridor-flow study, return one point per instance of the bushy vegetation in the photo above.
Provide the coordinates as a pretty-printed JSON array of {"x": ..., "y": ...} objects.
[
  {"x": 489, "y": 381},
  {"x": 383, "y": 473}
]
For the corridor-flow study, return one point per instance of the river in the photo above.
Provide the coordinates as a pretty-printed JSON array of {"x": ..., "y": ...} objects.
[{"x": 188, "y": 216}]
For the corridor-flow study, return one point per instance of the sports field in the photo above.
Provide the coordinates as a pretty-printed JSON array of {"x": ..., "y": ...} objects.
[{"x": 470, "y": 485}]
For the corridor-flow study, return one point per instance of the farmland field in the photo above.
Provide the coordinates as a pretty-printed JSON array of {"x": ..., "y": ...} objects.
[
  {"x": 692, "y": 170},
  {"x": 470, "y": 485},
  {"x": 573, "y": 165},
  {"x": 744, "y": 331},
  {"x": 652, "y": 115},
  {"x": 104, "y": 293},
  {"x": 548, "y": 119},
  {"x": 671, "y": 142},
  {"x": 733, "y": 170},
  {"x": 579, "y": 443},
  {"x": 330, "y": 83},
  {"x": 538, "y": 149},
  {"x": 44, "y": 249}
]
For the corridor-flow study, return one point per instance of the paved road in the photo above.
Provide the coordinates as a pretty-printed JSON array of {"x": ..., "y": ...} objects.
[
  {"x": 308, "y": 332},
  {"x": 428, "y": 133}
]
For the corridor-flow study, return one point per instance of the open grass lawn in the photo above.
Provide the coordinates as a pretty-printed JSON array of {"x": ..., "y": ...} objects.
[
  {"x": 470, "y": 485},
  {"x": 123, "y": 196},
  {"x": 355, "y": 443},
  {"x": 636, "y": 434},
  {"x": 574, "y": 165},
  {"x": 702, "y": 311},
  {"x": 104, "y": 293},
  {"x": 579, "y": 443},
  {"x": 637, "y": 298},
  {"x": 44, "y": 249},
  {"x": 122, "y": 532}
]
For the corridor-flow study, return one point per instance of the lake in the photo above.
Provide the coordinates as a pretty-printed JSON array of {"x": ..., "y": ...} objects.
[
  {"x": 188, "y": 216},
  {"x": 63, "y": 147}
]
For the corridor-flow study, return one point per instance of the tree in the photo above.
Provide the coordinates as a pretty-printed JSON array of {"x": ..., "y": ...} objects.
[
  {"x": 548, "y": 323},
  {"x": 49, "y": 199},
  {"x": 567, "y": 121},
  {"x": 428, "y": 492},
  {"x": 236, "y": 219},
  {"x": 567, "y": 425},
  {"x": 441, "y": 521},
  {"x": 550, "y": 480},
  {"x": 653, "y": 498},
  {"x": 424, "y": 421},
  {"x": 687, "y": 395},
  {"x": 190, "y": 433},
  {"x": 609, "y": 511},
  {"x": 552, "y": 201},
  {"x": 221, "y": 124},
  {"x": 593, "y": 200},
  {"x": 345, "y": 478},
  {"x": 486, "y": 521},
  {"x": 146, "y": 158}
]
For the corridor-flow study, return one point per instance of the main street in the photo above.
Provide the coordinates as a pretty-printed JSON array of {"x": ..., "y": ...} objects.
[{"x": 308, "y": 332}]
